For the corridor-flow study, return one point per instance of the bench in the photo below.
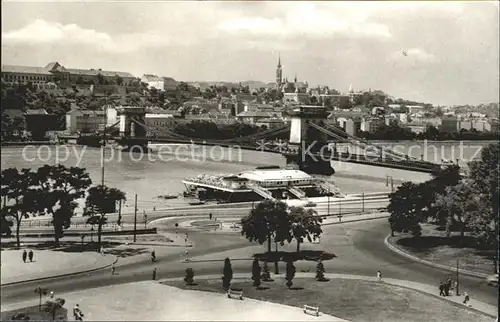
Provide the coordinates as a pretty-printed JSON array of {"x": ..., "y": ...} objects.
[
  {"x": 311, "y": 310},
  {"x": 235, "y": 294}
]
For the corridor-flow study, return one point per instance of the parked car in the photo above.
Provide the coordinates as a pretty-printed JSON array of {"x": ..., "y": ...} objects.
[{"x": 492, "y": 280}]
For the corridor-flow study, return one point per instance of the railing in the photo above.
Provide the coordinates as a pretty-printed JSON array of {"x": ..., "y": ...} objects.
[
  {"x": 262, "y": 192},
  {"x": 297, "y": 192}
]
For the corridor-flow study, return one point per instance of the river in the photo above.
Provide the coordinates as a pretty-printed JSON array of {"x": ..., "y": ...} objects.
[{"x": 161, "y": 172}]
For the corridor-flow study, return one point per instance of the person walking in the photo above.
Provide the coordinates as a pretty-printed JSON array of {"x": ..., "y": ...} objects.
[
  {"x": 25, "y": 254},
  {"x": 30, "y": 256},
  {"x": 379, "y": 276},
  {"x": 466, "y": 298},
  {"x": 210, "y": 216},
  {"x": 113, "y": 269},
  {"x": 447, "y": 287},
  {"x": 441, "y": 289},
  {"x": 187, "y": 256},
  {"x": 77, "y": 313},
  {"x": 154, "y": 274},
  {"x": 153, "y": 256}
]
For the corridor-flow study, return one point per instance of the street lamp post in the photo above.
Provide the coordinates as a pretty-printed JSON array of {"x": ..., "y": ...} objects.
[{"x": 457, "y": 291}]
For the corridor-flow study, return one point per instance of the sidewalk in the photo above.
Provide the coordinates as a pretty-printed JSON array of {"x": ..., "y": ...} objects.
[
  {"x": 419, "y": 287},
  {"x": 49, "y": 263}
]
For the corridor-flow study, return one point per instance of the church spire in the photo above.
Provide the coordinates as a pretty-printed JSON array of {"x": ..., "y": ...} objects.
[{"x": 279, "y": 59}]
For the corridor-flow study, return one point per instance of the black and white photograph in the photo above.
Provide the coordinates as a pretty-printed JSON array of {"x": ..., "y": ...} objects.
[{"x": 250, "y": 161}]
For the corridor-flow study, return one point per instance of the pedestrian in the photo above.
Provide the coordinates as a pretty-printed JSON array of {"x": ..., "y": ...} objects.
[
  {"x": 379, "y": 276},
  {"x": 210, "y": 216},
  {"x": 447, "y": 287},
  {"x": 154, "y": 208},
  {"x": 441, "y": 289},
  {"x": 25, "y": 254},
  {"x": 77, "y": 313},
  {"x": 187, "y": 256},
  {"x": 113, "y": 269},
  {"x": 30, "y": 256},
  {"x": 102, "y": 250},
  {"x": 154, "y": 274},
  {"x": 51, "y": 295},
  {"x": 153, "y": 256},
  {"x": 466, "y": 298}
]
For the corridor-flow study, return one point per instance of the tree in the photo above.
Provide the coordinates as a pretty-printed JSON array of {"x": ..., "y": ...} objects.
[
  {"x": 266, "y": 275},
  {"x": 58, "y": 188},
  {"x": 305, "y": 224},
  {"x": 256, "y": 273},
  {"x": 17, "y": 186},
  {"x": 227, "y": 274},
  {"x": 320, "y": 272},
  {"x": 460, "y": 203},
  {"x": 100, "y": 201},
  {"x": 5, "y": 224},
  {"x": 189, "y": 277},
  {"x": 100, "y": 79},
  {"x": 405, "y": 209},
  {"x": 264, "y": 222},
  {"x": 118, "y": 80},
  {"x": 290, "y": 273},
  {"x": 484, "y": 175}
]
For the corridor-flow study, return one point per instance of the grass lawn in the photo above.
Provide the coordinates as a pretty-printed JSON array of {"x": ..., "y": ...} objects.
[
  {"x": 353, "y": 300},
  {"x": 434, "y": 246}
]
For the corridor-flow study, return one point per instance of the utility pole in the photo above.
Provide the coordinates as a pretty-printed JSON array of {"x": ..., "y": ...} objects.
[
  {"x": 145, "y": 221},
  {"x": 392, "y": 185},
  {"x": 363, "y": 202},
  {"x": 104, "y": 138},
  {"x": 458, "y": 293},
  {"x": 328, "y": 211},
  {"x": 276, "y": 268},
  {"x": 135, "y": 219}
]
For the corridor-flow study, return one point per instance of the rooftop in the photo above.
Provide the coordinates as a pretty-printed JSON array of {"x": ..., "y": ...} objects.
[
  {"x": 25, "y": 70},
  {"x": 274, "y": 175}
]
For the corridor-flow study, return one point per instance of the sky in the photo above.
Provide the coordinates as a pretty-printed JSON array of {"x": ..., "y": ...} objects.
[{"x": 443, "y": 53}]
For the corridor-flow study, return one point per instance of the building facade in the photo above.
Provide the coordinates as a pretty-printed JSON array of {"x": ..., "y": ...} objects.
[{"x": 55, "y": 72}]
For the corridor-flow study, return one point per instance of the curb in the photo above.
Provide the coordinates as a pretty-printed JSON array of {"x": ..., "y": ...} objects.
[
  {"x": 356, "y": 220},
  {"x": 62, "y": 275},
  {"x": 428, "y": 263},
  {"x": 345, "y": 277}
]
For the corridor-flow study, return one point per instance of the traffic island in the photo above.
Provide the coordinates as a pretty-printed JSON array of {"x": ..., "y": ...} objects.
[
  {"x": 349, "y": 299},
  {"x": 434, "y": 247}
]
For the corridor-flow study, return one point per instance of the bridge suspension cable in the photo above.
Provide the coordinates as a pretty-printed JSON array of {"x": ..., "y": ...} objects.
[{"x": 364, "y": 143}]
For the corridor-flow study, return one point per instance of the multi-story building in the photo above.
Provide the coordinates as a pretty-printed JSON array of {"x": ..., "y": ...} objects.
[
  {"x": 449, "y": 125},
  {"x": 85, "y": 121},
  {"x": 417, "y": 128},
  {"x": 159, "y": 125},
  {"x": 253, "y": 117},
  {"x": 372, "y": 124},
  {"x": 54, "y": 72},
  {"x": 412, "y": 109},
  {"x": 160, "y": 83}
]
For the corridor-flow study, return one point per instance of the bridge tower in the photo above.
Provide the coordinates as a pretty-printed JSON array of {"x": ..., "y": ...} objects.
[
  {"x": 301, "y": 117},
  {"x": 131, "y": 119},
  {"x": 132, "y": 128},
  {"x": 299, "y": 128}
]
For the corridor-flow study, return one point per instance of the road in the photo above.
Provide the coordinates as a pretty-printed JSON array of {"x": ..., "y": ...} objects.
[{"x": 359, "y": 246}]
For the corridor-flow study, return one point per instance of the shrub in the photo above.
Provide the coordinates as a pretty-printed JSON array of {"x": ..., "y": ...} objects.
[
  {"x": 320, "y": 272},
  {"x": 266, "y": 276},
  {"x": 256, "y": 272},
  {"x": 189, "y": 278},
  {"x": 20, "y": 317},
  {"x": 227, "y": 274},
  {"x": 290, "y": 273}
]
